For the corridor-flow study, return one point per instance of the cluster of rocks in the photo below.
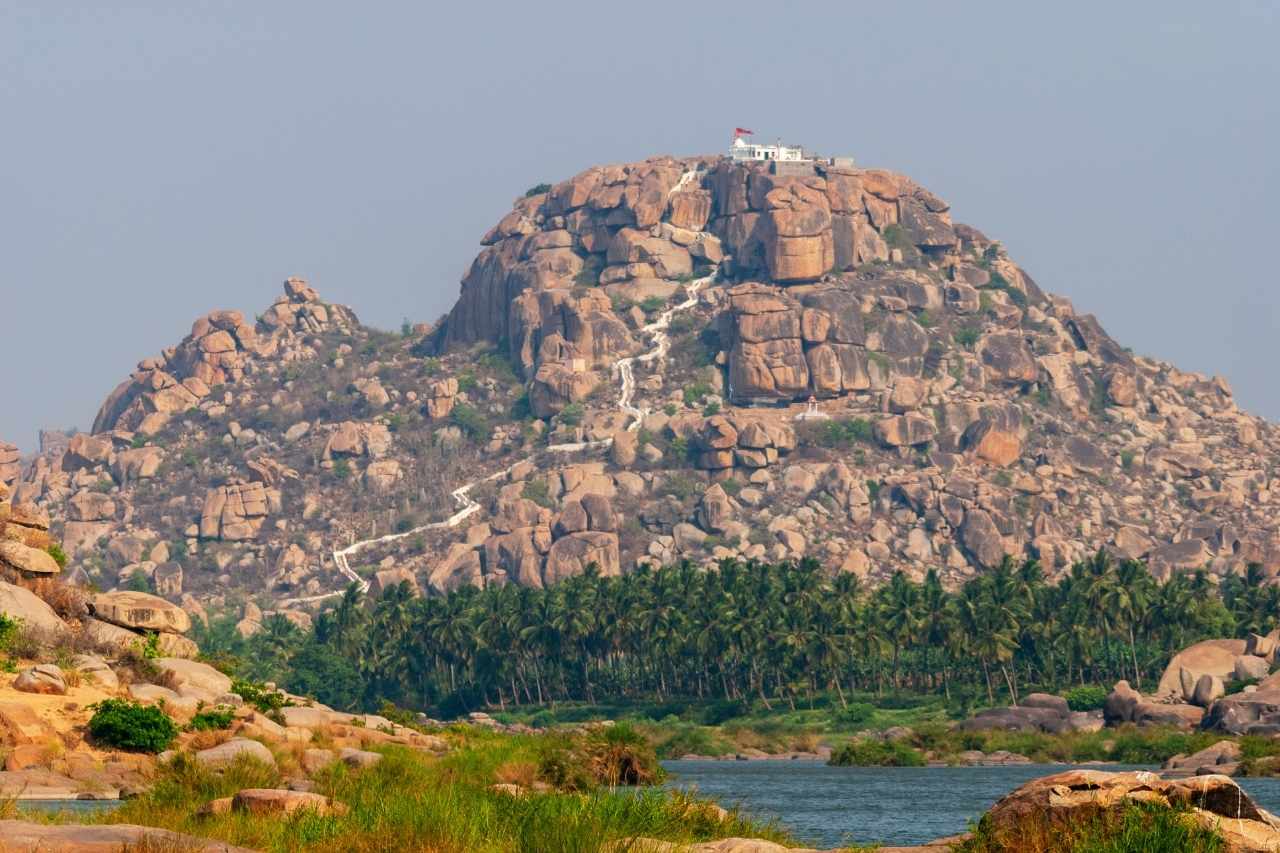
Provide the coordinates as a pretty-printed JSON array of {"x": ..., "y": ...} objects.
[
  {"x": 218, "y": 352},
  {"x": 124, "y": 620},
  {"x": 1192, "y": 691},
  {"x": 10, "y": 464},
  {"x": 237, "y": 510},
  {"x": 24, "y": 539},
  {"x": 1035, "y": 712},
  {"x": 526, "y": 543},
  {"x": 968, "y": 414},
  {"x": 299, "y": 312}
]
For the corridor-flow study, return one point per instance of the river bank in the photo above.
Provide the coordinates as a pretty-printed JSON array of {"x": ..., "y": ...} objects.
[{"x": 828, "y": 806}]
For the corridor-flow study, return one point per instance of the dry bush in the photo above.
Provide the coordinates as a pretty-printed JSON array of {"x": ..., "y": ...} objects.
[
  {"x": 522, "y": 773},
  {"x": 69, "y": 602},
  {"x": 208, "y": 738},
  {"x": 322, "y": 737},
  {"x": 807, "y": 742}
]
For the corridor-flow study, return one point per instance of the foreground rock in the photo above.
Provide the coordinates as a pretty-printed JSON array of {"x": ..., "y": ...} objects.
[
  {"x": 274, "y": 801},
  {"x": 25, "y": 837},
  {"x": 1214, "y": 802}
]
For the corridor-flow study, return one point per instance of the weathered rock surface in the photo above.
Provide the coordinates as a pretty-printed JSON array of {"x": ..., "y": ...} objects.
[
  {"x": 22, "y": 836},
  {"x": 140, "y": 610},
  {"x": 1214, "y": 802}
]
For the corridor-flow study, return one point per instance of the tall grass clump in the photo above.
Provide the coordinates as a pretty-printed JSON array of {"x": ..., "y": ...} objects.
[
  {"x": 410, "y": 801},
  {"x": 1133, "y": 828},
  {"x": 867, "y": 752}
]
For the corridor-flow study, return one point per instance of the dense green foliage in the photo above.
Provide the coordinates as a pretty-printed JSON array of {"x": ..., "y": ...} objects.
[
  {"x": 1086, "y": 697},
  {"x": 129, "y": 725},
  {"x": 749, "y": 631},
  {"x": 871, "y": 752},
  {"x": 9, "y": 628},
  {"x": 208, "y": 720}
]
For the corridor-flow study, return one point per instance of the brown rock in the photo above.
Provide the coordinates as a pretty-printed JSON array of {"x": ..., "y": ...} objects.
[
  {"x": 981, "y": 538},
  {"x": 276, "y": 801},
  {"x": 141, "y": 611},
  {"x": 23, "y": 558},
  {"x": 86, "y": 451},
  {"x": 1213, "y": 802},
  {"x": 905, "y": 430},
  {"x": 17, "y": 602},
  {"x": 88, "y": 505},
  {"x": 22, "y": 836},
  {"x": 715, "y": 511},
  {"x": 1007, "y": 358},
  {"x": 44, "y": 678},
  {"x": 234, "y": 512},
  {"x": 570, "y": 555},
  {"x": 989, "y": 442}
]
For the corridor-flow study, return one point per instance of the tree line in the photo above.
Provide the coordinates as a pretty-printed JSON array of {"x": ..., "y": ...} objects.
[{"x": 776, "y": 633}]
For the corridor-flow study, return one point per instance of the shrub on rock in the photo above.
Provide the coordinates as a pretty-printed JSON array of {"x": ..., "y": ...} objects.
[
  {"x": 129, "y": 725},
  {"x": 1086, "y": 698}
]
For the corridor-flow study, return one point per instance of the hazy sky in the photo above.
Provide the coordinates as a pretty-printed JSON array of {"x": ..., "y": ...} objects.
[{"x": 158, "y": 162}]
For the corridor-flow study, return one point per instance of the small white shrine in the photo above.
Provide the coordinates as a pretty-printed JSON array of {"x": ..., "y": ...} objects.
[
  {"x": 812, "y": 412},
  {"x": 742, "y": 149}
]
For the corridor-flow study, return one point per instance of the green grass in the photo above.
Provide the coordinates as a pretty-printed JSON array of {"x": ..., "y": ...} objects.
[
  {"x": 1135, "y": 828},
  {"x": 868, "y": 752},
  {"x": 415, "y": 802}
]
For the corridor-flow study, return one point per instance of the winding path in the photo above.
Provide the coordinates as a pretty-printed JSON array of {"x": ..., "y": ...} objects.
[{"x": 623, "y": 369}]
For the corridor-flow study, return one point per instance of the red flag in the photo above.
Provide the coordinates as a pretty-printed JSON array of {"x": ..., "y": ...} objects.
[{"x": 742, "y": 131}]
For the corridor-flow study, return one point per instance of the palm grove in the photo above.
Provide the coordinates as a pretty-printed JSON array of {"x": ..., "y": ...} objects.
[{"x": 787, "y": 633}]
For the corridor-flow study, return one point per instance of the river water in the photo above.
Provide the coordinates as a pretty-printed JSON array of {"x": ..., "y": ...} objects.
[{"x": 831, "y": 806}]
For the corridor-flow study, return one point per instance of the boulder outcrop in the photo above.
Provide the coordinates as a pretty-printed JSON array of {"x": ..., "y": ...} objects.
[{"x": 1213, "y": 802}]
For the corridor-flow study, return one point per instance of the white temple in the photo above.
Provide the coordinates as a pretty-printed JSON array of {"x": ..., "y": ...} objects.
[{"x": 741, "y": 149}]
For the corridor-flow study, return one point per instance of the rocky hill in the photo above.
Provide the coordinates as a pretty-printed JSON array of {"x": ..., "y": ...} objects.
[{"x": 677, "y": 359}]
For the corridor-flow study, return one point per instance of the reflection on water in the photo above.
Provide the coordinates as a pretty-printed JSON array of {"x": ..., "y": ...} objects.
[{"x": 829, "y": 806}]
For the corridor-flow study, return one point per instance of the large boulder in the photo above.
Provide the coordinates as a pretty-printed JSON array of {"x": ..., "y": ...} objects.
[
  {"x": 234, "y": 512},
  {"x": 17, "y": 602},
  {"x": 44, "y": 678},
  {"x": 276, "y": 801},
  {"x": 22, "y": 836},
  {"x": 25, "y": 559},
  {"x": 1208, "y": 657},
  {"x": 570, "y": 555},
  {"x": 1021, "y": 718},
  {"x": 191, "y": 678},
  {"x": 1213, "y": 802},
  {"x": 233, "y": 750},
  {"x": 1257, "y": 712},
  {"x": 1216, "y": 758},
  {"x": 141, "y": 611},
  {"x": 1121, "y": 704},
  {"x": 1251, "y": 668}
]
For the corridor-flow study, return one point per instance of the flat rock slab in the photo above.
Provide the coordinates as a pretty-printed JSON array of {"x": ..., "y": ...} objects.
[
  {"x": 282, "y": 801},
  {"x": 141, "y": 610},
  {"x": 228, "y": 752},
  {"x": 20, "y": 836}
]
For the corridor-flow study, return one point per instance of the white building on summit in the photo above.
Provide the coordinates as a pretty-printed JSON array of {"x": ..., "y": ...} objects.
[{"x": 741, "y": 149}]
